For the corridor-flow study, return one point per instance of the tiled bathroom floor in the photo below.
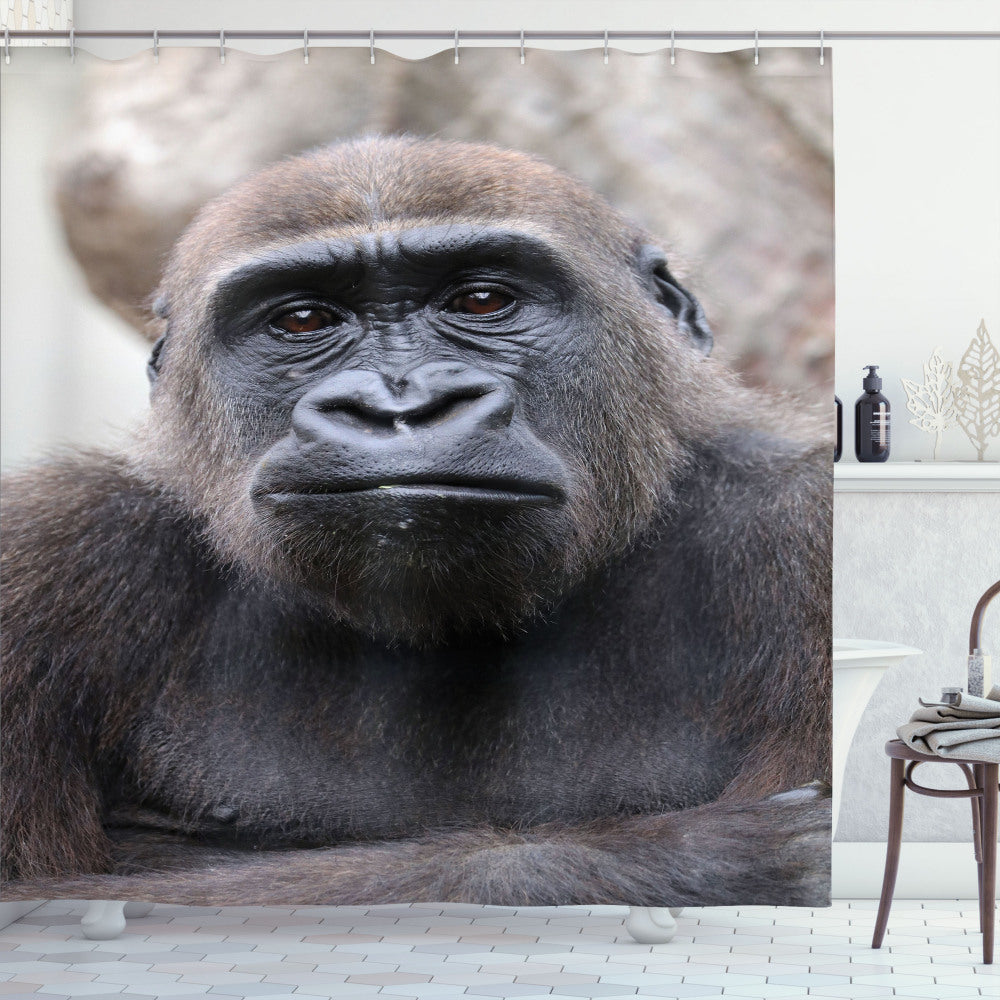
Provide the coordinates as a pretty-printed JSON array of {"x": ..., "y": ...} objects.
[{"x": 439, "y": 951}]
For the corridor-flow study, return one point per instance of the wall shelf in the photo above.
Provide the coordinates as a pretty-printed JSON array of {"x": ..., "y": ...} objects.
[{"x": 916, "y": 477}]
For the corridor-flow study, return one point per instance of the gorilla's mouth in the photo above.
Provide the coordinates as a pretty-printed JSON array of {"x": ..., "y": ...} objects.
[{"x": 488, "y": 491}]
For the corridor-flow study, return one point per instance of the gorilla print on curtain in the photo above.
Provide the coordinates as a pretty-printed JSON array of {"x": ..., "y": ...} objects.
[{"x": 474, "y": 542}]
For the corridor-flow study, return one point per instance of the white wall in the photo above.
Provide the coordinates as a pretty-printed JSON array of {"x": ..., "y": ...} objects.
[{"x": 917, "y": 145}]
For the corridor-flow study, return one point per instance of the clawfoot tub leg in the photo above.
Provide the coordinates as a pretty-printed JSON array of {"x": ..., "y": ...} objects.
[
  {"x": 652, "y": 924},
  {"x": 104, "y": 920}
]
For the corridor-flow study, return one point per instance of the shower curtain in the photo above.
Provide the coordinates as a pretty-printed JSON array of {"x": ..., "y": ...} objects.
[{"x": 417, "y": 477}]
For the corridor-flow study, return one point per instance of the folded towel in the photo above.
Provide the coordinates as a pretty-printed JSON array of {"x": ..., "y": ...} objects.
[{"x": 968, "y": 729}]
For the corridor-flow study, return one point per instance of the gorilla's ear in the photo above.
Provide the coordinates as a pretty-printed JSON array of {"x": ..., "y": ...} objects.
[
  {"x": 161, "y": 310},
  {"x": 153, "y": 364},
  {"x": 682, "y": 305}
]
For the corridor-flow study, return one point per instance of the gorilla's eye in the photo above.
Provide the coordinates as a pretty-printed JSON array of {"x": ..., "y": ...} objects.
[
  {"x": 301, "y": 322},
  {"x": 480, "y": 302}
]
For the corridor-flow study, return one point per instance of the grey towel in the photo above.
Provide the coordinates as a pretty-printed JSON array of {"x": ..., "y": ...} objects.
[{"x": 969, "y": 729}]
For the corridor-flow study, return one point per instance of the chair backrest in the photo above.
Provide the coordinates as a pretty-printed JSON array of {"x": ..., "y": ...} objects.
[
  {"x": 978, "y": 671},
  {"x": 977, "y": 616}
]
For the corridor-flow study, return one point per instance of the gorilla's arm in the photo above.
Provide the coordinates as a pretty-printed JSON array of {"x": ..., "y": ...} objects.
[
  {"x": 85, "y": 546},
  {"x": 764, "y": 516},
  {"x": 722, "y": 853}
]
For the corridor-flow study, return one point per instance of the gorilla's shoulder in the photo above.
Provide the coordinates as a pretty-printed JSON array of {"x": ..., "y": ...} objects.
[
  {"x": 82, "y": 529},
  {"x": 85, "y": 497},
  {"x": 749, "y": 465},
  {"x": 759, "y": 494}
]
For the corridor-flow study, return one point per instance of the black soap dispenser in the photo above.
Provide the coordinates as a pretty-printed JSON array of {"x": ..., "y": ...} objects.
[
  {"x": 838, "y": 447},
  {"x": 871, "y": 420}
]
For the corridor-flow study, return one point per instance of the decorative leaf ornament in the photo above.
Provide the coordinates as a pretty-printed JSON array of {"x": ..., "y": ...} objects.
[
  {"x": 935, "y": 404},
  {"x": 979, "y": 405},
  {"x": 968, "y": 396}
]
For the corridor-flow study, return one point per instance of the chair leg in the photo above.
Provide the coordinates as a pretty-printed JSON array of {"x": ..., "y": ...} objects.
[
  {"x": 988, "y": 891},
  {"x": 977, "y": 831},
  {"x": 896, "y": 790}
]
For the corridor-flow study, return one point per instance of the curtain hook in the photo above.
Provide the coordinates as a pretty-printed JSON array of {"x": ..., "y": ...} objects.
[
  {"x": 673, "y": 54},
  {"x": 222, "y": 47},
  {"x": 72, "y": 45},
  {"x": 371, "y": 45},
  {"x": 522, "y": 46},
  {"x": 6, "y": 45},
  {"x": 822, "y": 49},
  {"x": 456, "y": 46},
  {"x": 605, "y": 46},
  {"x": 756, "y": 48},
  {"x": 305, "y": 46},
  {"x": 156, "y": 45}
]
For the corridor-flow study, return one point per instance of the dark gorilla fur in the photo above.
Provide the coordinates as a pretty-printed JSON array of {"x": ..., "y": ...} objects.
[{"x": 256, "y": 658}]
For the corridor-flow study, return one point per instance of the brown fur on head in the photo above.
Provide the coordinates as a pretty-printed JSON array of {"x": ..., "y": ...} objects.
[{"x": 624, "y": 416}]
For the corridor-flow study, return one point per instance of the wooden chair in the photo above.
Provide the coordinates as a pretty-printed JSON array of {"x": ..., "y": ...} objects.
[
  {"x": 982, "y": 781},
  {"x": 982, "y": 791}
]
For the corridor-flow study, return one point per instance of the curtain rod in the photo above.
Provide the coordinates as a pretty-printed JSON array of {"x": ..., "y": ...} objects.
[{"x": 516, "y": 36}]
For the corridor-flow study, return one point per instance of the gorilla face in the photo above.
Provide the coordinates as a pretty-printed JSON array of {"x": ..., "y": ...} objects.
[
  {"x": 418, "y": 475},
  {"x": 428, "y": 423}
]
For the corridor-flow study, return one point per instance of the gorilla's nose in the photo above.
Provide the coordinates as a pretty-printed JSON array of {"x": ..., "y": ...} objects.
[{"x": 452, "y": 398}]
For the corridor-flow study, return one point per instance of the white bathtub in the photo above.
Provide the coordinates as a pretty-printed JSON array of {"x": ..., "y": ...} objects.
[{"x": 858, "y": 666}]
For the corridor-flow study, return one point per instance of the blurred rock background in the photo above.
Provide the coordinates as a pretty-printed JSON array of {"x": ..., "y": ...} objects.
[{"x": 732, "y": 164}]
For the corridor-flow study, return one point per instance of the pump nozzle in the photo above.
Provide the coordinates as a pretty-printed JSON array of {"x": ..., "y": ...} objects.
[{"x": 871, "y": 382}]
